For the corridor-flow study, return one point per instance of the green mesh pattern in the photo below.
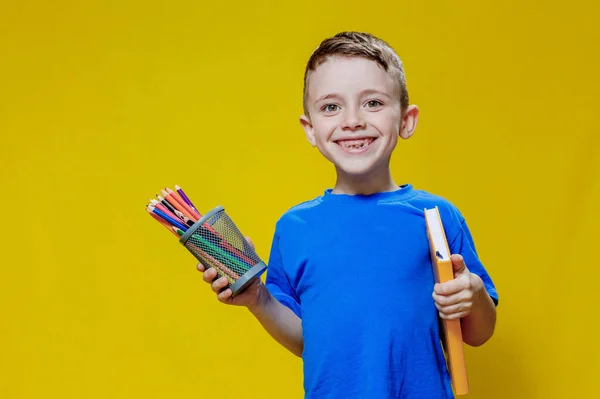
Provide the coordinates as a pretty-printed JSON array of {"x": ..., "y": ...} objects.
[{"x": 218, "y": 243}]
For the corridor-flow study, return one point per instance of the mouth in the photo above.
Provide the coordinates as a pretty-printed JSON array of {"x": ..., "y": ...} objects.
[{"x": 355, "y": 145}]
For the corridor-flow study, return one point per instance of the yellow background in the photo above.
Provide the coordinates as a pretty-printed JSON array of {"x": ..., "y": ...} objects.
[{"x": 103, "y": 103}]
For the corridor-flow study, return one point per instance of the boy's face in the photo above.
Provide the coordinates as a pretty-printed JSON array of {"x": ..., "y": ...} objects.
[{"x": 355, "y": 116}]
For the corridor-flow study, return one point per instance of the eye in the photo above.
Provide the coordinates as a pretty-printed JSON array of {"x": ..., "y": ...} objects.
[
  {"x": 330, "y": 107},
  {"x": 373, "y": 104}
]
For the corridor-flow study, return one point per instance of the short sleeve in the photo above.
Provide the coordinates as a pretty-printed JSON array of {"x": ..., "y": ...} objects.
[
  {"x": 277, "y": 281},
  {"x": 464, "y": 245}
]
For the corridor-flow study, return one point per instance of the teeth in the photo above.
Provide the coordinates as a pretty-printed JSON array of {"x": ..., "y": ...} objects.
[{"x": 355, "y": 144}]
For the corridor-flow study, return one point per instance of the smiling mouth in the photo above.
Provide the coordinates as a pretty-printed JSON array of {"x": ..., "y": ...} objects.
[{"x": 355, "y": 144}]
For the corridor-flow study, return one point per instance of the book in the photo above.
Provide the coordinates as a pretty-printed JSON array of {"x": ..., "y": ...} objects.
[{"x": 442, "y": 270}]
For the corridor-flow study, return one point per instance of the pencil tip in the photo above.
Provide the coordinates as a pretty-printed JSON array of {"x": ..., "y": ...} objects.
[
  {"x": 177, "y": 187},
  {"x": 164, "y": 193}
]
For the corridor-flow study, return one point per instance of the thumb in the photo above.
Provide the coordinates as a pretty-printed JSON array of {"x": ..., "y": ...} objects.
[{"x": 458, "y": 264}]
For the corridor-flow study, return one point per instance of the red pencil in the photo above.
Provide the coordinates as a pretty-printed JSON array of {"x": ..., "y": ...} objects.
[
  {"x": 171, "y": 200},
  {"x": 178, "y": 215},
  {"x": 164, "y": 209},
  {"x": 181, "y": 201}
]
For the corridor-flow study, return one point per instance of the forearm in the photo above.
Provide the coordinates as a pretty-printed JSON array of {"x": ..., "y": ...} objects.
[
  {"x": 479, "y": 325},
  {"x": 279, "y": 321}
]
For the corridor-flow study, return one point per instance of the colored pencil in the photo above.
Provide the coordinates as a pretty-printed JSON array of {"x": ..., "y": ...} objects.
[
  {"x": 181, "y": 201},
  {"x": 186, "y": 199},
  {"x": 212, "y": 261},
  {"x": 177, "y": 205},
  {"x": 163, "y": 208},
  {"x": 186, "y": 219},
  {"x": 166, "y": 217},
  {"x": 212, "y": 233},
  {"x": 176, "y": 212},
  {"x": 165, "y": 203},
  {"x": 219, "y": 253},
  {"x": 161, "y": 221},
  {"x": 222, "y": 240}
]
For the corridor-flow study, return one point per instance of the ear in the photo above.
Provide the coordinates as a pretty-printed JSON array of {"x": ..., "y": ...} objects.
[
  {"x": 308, "y": 130},
  {"x": 409, "y": 122}
]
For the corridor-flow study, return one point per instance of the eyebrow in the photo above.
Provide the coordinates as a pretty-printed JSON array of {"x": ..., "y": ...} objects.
[
  {"x": 373, "y": 91},
  {"x": 327, "y": 96},
  {"x": 362, "y": 93}
]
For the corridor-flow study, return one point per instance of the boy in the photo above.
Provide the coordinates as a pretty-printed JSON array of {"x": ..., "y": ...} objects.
[{"x": 350, "y": 287}]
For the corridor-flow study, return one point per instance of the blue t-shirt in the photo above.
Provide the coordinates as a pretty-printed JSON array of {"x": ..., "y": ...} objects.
[{"x": 356, "y": 269}]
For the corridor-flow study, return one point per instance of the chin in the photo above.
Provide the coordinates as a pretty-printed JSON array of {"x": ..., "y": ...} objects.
[{"x": 355, "y": 170}]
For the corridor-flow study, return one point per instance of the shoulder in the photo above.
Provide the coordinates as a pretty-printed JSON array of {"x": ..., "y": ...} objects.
[
  {"x": 450, "y": 214},
  {"x": 301, "y": 213}
]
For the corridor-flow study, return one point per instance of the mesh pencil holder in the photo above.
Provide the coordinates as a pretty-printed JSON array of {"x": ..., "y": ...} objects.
[{"x": 217, "y": 242}]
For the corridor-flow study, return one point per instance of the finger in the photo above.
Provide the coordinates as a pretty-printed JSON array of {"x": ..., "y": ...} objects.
[
  {"x": 250, "y": 242},
  {"x": 448, "y": 300},
  {"x": 452, "y": 286},
  {"x": 453, "y": 316},
  {"x": 456, "y": 308},
  {"x": 224, "y": 296},
  {"x": 200, "y": 267},
  {"x": 209, "y": 275},
  {"x": 219, "y": 284},
  {"x": 458, "y": 264}
]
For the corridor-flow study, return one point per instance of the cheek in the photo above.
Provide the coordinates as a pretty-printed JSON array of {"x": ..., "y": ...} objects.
[
  {"x": 324, "y": 129},
  {"x": 389, "y": 124}
]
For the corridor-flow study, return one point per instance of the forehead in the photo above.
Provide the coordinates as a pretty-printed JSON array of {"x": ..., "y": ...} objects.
[{"x": 348, "y": 75}]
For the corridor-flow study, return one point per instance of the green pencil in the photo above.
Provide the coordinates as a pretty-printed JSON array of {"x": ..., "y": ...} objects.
[{"x": 217, "y": 252}]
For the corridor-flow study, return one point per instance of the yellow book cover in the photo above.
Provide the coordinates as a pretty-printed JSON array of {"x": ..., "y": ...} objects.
[{"x": 443, "y": 271}]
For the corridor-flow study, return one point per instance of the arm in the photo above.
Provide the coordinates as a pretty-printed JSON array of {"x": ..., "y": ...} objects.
[
  {"x": 465, "y": 297},
  {"x": 278, "y": 320},
  {"x": 479, "y": 325}
]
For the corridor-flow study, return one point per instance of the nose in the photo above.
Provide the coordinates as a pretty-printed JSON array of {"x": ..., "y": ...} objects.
[{"x": 352, "y": 120}]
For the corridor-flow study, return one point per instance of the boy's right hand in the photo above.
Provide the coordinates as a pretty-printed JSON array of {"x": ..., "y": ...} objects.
[{"x": 250, "y": 297}]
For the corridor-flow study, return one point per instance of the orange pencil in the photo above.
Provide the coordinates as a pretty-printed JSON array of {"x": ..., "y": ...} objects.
[
  {"x": 163, "y": 222},
  {"x": 169, "y": 198},
  {"x": 181, "y": 201}
]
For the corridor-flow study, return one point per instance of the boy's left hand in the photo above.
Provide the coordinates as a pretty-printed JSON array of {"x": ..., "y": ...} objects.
[{"x": 454, "y": 299}]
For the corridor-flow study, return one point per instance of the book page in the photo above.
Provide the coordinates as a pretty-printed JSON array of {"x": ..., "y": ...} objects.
[{"x": 437, "y": 233}]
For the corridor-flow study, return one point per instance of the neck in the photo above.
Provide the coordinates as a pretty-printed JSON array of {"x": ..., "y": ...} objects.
[{"x": 375, "y": 182}]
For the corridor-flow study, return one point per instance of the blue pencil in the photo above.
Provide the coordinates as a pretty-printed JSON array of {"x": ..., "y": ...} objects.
[{"x": 169, "y": 219}]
